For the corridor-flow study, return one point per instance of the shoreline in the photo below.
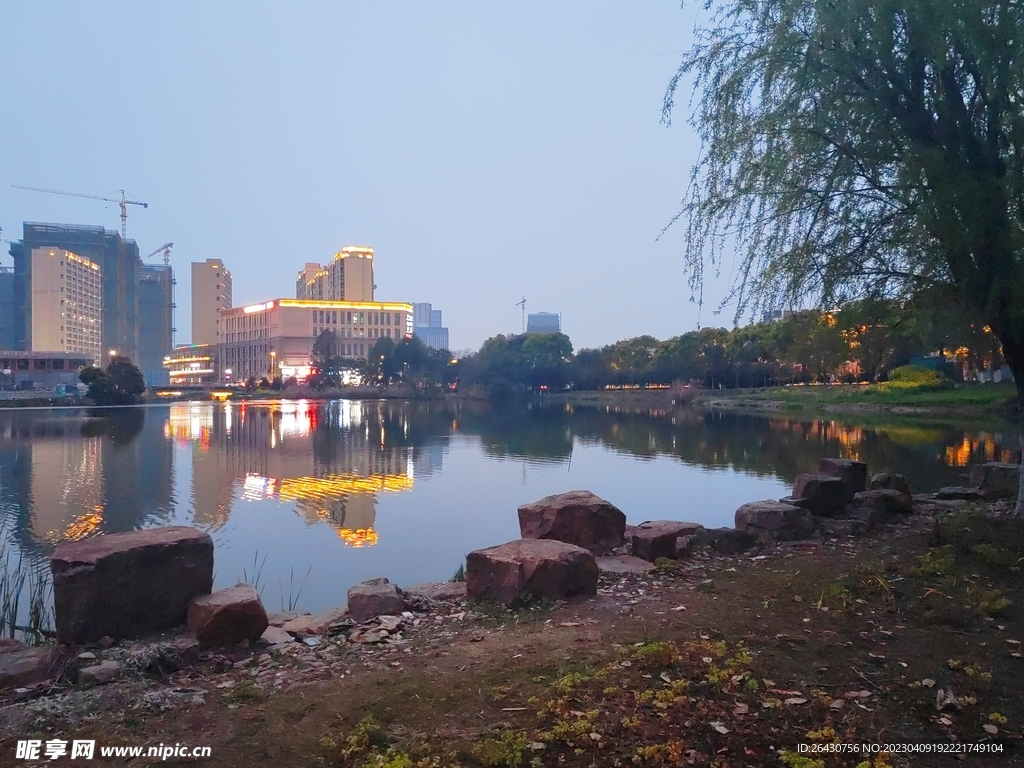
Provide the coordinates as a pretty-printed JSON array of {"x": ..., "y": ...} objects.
[{"x": 851, "y": 634}]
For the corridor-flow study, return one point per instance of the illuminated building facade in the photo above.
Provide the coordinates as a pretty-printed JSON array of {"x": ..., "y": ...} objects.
[
  {"x": 276, "y": 338},
  {"x": 211, "y": 295},
  {"x": 347, "y": 277},
  {"x": 66, "y": 304},
  {"x": 192, "y": 365}
]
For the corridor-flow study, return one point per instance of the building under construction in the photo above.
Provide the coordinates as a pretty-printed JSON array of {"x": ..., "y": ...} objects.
[{"x": 137, "y": 301}]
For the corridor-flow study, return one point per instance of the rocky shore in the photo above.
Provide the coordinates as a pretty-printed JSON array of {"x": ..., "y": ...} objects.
[{"x": 140, "y": 630}]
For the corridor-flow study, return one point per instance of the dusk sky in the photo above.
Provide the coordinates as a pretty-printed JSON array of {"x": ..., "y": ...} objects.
[{"x": 486, "y": 151}]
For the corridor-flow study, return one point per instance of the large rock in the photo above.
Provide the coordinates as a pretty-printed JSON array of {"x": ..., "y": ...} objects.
[
  {"x": 886, "y": 502},
  {"x": 821, "y": 494},
  {"x": 728, "y": 540},
  {"x": 623, "y": 564},
  {"x": 28, "y": 666},
  {"x": 853, "y": 473},
  {"x": 775, "y": 521},
  {"x": 996, "y": 479},
  {"x": 883, "y": 481},
  {"x": 959, "y": 493},
  {"x": 100, "y": 674},
  {"x": 129, "y": 584},
  {"x": 373, "y": 598},
  {"x": 439, "y": 590},
  {"x": 576, "y": 517},
  {"x": 530, "y": 567},
  {"x": 228, "y": 616},
  {"x": 657, "y": 538}
]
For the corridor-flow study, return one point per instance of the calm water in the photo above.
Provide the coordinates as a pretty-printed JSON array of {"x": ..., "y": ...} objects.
[{"x": 324, "y": 495}]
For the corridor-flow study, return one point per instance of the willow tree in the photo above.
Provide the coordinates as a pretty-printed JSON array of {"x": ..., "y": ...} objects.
[{"x": 859, "y": 148}]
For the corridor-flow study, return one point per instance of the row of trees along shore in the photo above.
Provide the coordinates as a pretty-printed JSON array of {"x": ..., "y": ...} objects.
[{"x": 861, "y": 341}]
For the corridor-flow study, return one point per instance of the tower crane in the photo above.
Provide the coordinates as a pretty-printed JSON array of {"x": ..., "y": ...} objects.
[
  {"x": 522, "y": 304},
  {"x": 166, "y": 248},
  {"x": 124, "y": 202}
]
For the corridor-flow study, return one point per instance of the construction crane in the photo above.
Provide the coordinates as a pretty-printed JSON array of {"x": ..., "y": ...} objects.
[
  {"x": 522, "y": 304},
  {"x": 166, "y": 248},
  {"x": 124, "y": 202}
]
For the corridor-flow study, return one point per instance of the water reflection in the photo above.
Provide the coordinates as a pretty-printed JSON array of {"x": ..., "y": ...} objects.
[{"x": 332, "y": 467}]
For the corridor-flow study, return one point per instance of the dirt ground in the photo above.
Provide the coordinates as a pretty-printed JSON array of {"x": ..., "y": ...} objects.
[{"x": 876, "y": 651}]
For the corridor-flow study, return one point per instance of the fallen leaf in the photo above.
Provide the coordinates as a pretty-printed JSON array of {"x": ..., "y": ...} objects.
[
  {"x": 796, "y": 700},
  {"x": 837, "y": 704},
  {"x": 679, "y": 608},
  {"x": 989, "y": 728},
  {"x": 1013, "y": 642},
  {"x": 741, "y": 709},
  {"x": 666, "y": 677},
  {"x": 570, "y": 623},
  {"x": 927, "y": 682},
  {"x": 945, "y": 720},
  {"x": 707, "y": 659},
  {"x": 719, "y": 726}
]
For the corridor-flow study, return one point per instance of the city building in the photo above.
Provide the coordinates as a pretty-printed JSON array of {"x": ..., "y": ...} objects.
[
  {"x": 347, "y": 277},
  {"x": 65, "y": 307},
  {"x": 119, "y": 266},
  {"x": 276, "y": 338},
  {"x": 192, "y": 365},
  {"x": 543, "y": 322},
  {"x": 211, "y": 294},
  {"x": 8, "y": 308},
  {"x": 427, "y": 326},
  {"x": 41, "y": 370},
  {"x": 156, "y": 321}
]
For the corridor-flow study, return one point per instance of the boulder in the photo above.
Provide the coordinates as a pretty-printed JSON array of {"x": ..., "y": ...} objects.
[
  {"x": 853, "y": 473},
  {"x": 576, "y": 517},
  {"x": 440, "y": 590},
  {"x": 775, "y": 521},
  {"x": 996, "y": 479},
  {"x": 889, "y": 481},
  {"x": 821, "y": 494},
  {"x": 10, "y": 645},
  {"x": 28, "y": 666},
  {"x": 656, "y": 539},
  {"x": 621, "y": 564},
  {"x": 374, "y": 598},
  {"x": 306, "y": 624},
  {"x": 99, "y": 674},
  {"x": 685, "y": 546},
  {"x": 129, "y": 584},
  {"x": 885, "y": 502},
  {"x": 959, "y": 493},
  {"x": 275, "y": 636},
  {"x": 727, "y": 540},
  {"x": 228, "y": 616},
  {"x": 539, "y": 568}
]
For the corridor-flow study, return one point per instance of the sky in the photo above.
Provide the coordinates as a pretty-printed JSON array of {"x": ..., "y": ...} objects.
[{"x": 486, "y": 151}]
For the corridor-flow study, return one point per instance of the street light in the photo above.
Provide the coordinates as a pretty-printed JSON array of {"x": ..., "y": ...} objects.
[{"x": 273, "y": 367}]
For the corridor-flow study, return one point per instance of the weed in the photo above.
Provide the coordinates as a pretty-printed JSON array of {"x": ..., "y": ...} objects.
[
  {"x": 794, "y": 760},
  {"x": 656, "y": 654},
  {"x": 459, "y": 575},
  {"x": 242, "y": 693},
  {"x": 991, "y": 602},
  {"x": 293, "y": 600},
  {"x": 506, "y": 751},
  {"x": 256, "y": 576},
  {"x": 993, "y": 557},
  {"x": 939, "y": 562},
  {"x": 835, "y": 596},
  {"x": 19, "y": 581}
]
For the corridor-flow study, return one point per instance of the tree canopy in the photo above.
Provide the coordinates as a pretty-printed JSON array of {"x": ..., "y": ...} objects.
[
  {"x": 863, "y": 148},
  {"x": 120, "y": 384}
]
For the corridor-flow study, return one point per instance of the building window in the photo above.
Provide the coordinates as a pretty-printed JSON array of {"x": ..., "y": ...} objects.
[{"x": 397, "y": 319}]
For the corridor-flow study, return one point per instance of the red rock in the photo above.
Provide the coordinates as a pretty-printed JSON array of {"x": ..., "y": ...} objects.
[
  {"x": 129, "y": 584},
  {"x": 306, "y": 625},
  {"x": 576, "y": 517},
  {"x": 657, "y": 538},
  {"x": 619, "y": 564},
  {"x": 888, "y": 480},
  {"x": 10, "y": 645},
  {"x": 539, "y": 568},
  {"x": 853, "y": 473},
  {"x": 996, "y": 479},
  {"x": 885, "y": 502},
  {"x": 440, "y": 590},
  {"x": 373, "y": 598},
  {"x": 28, "y": 666},
  {"x": 728, "y": 540},
  {"x": 228, "y": 616},
  {"x": 821, "y": 494},
  {"x": 775, "y": 520}
]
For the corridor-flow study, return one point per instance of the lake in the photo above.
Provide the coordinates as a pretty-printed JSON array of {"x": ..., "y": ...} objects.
[{"x": 310, "y": 498}]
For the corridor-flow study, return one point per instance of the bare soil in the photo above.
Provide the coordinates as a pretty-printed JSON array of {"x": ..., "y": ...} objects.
[{"x": 906, "y": 639}]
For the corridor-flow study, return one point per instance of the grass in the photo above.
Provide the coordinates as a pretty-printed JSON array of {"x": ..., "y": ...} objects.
[
  {"x": 31, "y": 621},
  {"x": 293, "y": 599},
  {"x": 996, "y": 396}
]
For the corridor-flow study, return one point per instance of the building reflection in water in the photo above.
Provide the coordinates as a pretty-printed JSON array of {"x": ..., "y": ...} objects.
[
  {"x": 64, "y": 476},
  {"x": 329, "y": 460}
]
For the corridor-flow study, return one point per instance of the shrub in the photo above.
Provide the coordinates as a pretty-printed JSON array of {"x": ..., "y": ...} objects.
[{"x": 915, "y": 378}]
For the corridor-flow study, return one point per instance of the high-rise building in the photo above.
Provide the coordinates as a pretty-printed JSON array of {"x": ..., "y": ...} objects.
[
  {"x": 428, "y": 326},
  {"x": 211, "y": 295},
  {"x": 544, "y": 322},
  {"x": 347, "y": 277},
  {"x": 119, "y": 266},
  {"x": 8, "y": 308},
  {"x": 156, "y": 321},
  {"x": 66, "y": 300},
  {"x": 276, "y": 338}
]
